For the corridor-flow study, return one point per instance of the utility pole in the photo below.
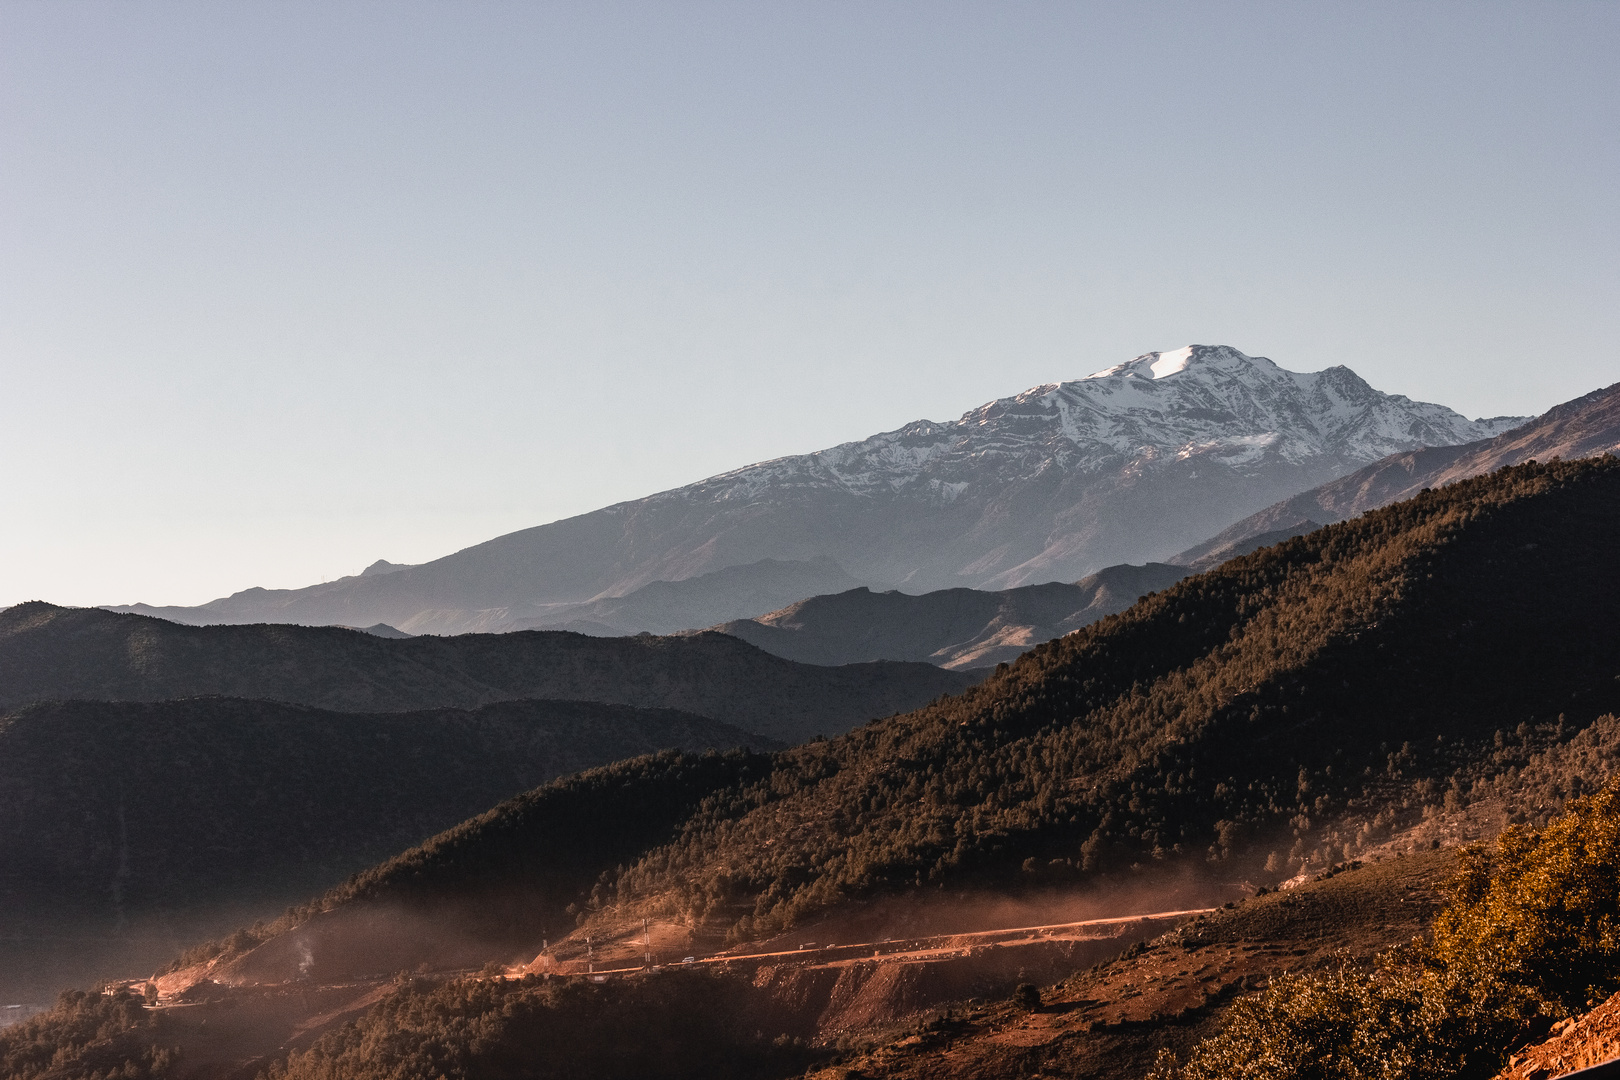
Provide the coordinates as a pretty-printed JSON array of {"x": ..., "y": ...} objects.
[{"x": 646, "y": 943}]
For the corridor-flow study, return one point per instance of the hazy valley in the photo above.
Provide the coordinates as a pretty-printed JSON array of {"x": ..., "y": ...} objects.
[{"x": 135, "y": 828}]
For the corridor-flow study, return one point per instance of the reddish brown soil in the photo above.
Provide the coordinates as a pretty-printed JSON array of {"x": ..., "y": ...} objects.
[
  {"x": 232, "y": 1024},
  {"x": 232, "y": 1032},
  {"x": 865, "y": 988},
  {"x": 1112, "y": 1021}
]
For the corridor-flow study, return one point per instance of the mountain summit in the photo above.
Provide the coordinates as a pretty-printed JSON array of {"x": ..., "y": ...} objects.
[
  {"x": 1199, "y": 403},
  {"x": 1214, "y": 400},
  {"x": 1132, "y": 464}
]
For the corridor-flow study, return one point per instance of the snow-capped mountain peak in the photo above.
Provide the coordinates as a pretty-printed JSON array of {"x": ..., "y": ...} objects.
[
  {"x": 1215, "y": 426},
  {"x": 1198, "y": 403},
  {"x": 1137, "y": 462}
]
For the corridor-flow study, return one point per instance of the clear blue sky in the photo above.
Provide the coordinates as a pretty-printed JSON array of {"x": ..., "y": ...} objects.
[{"x": 288, "y": 287}]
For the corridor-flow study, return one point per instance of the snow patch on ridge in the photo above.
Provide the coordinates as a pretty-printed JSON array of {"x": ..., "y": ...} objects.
[{"x": 1168, "y": 363}]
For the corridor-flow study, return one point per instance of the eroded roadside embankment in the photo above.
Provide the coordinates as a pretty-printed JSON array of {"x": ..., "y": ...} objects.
[{"x": 230, "y": 1029}]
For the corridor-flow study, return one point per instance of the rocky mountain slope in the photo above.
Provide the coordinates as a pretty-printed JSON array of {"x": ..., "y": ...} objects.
[
  {"x": 1130, "y": 464},
  {"x": 954, "y": 628},
  {"x": 128, "y": 830},
  {"x": 54, "y": 653},
  {"x": 1585, "y": 427}
]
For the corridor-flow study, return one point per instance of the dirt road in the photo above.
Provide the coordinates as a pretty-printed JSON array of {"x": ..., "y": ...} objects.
[{"x": 903, "y": 950}]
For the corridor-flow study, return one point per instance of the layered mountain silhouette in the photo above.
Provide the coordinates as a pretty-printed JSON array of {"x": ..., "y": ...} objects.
[
  {"x": 1132, "y": 464},
  {"x": 159, "y": 782},
  {"x": 1285, "y": 710},
  {"x": 954, "y": 628},
  {"x": 664, "y": 607},
  {"x": 1355, "y": 693},
  {"x": 970, "y": 628},
  {"x": 49, "y": 653}
]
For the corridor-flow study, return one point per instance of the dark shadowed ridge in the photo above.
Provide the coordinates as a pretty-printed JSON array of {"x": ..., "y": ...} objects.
[
  {"x": 183, "y": 801},
  {"x": 131, "y": 829},
  {"x": 54, "y": 653}
]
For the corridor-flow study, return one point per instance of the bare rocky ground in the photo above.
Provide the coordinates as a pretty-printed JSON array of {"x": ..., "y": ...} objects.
[{"x": 1577, "y": 1042}]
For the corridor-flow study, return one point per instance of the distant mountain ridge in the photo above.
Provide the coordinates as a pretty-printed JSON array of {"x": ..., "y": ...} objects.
[
  {"x": 49, "y": 653},
  {"x": 967, "y": 629},
  {"x": 1585, "y": 427},
  {"x": 954, "y": 628},
  {"x": 665, "y": 607},
  {"x": 1134, "y": 463}
]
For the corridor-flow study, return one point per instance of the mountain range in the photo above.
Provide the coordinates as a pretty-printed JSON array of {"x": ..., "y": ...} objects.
[
  {"x": 1134, "y": 463},
  {"x": 1353, "y": 693},
  {"x": 954, "y": 628},
  {"x": 50, "y": 653},
  {"x": 971, "y": 628},
  {"x": 1372, "y": 690},
  {"x": 1284, "y": 710}
]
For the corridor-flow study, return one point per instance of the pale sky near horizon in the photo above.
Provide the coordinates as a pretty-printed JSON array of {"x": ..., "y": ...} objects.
[{"x": 289, "y": 287}]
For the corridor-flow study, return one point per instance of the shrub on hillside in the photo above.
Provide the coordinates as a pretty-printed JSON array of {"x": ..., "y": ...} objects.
[
  {"x": 1531, "y": 933},
  {"x": 89, "y": 1036}
]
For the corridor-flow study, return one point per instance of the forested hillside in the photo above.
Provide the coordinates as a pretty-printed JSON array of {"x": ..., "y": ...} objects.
[
  {"x": 107, "y": 807},
  {"x": 1311, "y": 700},
  {"x": 1526, "y": 940},
  {"x": 128, "y": 830},
  {"x": 1252, "y": 704},
  {"x": 1290, "y": 703}
]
